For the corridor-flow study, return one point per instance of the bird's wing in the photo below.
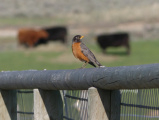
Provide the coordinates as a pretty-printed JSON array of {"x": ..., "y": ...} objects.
[{"x": 85, "y": 50}]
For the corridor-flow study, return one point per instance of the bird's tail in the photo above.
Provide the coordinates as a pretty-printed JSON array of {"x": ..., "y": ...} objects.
[
  {"x": 99, "y": 64},
  {"x": 91, "y": 63}
]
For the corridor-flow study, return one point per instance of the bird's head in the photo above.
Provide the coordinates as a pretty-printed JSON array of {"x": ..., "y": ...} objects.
[{"x": 77, "y": 38}]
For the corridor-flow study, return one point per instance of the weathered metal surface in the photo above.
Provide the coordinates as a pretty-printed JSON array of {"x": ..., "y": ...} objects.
[{"x": 124, "y": 77}]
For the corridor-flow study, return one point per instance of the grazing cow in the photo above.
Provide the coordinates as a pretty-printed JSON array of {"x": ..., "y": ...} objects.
[
  {"x": 57, "y": 33},
  {"x": 31, "y": 37},
  {"x": 114, "y": 40}
]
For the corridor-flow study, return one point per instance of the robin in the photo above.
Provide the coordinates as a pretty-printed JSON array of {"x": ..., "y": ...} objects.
[{"x": 82, "y": 52}]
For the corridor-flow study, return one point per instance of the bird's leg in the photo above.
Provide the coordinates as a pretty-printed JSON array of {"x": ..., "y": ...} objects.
[{"x": 84, "y": 65}]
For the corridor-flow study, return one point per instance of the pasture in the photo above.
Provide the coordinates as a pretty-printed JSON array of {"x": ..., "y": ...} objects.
[{"x": 55, "y": 56}]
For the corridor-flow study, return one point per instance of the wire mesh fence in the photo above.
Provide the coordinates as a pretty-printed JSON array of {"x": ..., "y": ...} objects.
[
  {"x": 138, "y": 104},
  {"x": 25, "y": 109},
  {"x": 75, "y": 107}
]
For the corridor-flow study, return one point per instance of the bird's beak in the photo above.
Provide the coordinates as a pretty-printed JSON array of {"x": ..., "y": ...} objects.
[{"x": 81, "y": 37}]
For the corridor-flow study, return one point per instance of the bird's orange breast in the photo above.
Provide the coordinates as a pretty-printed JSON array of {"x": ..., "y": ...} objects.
[{"x": 76, "y": 49}]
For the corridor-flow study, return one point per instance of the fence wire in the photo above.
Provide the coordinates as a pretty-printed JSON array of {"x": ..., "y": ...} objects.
[
  {"x": 25, "y": 109},
  {"x": 140, "y": 104},
  {"x": 75, "y": 107},
  {"x": 136, "y": 104}
]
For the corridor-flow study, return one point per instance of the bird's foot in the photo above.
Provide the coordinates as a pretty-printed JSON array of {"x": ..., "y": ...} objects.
[{"x": 81, "y": 68}]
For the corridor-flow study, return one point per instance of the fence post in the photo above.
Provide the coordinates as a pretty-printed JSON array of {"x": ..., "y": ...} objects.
[
  {"x": 8, "y": 105},
  {"x": 103, "y": 104},
  {"x": 115, "y": 104},
  {"x": 48, "y": 105}
]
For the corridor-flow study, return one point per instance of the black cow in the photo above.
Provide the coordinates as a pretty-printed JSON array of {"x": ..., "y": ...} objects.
[
  {"x": 57, "y": 33},
  {"x": 114, "y": 40}
]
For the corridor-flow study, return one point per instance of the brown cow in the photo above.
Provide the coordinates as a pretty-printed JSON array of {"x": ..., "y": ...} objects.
[{"x": 30, "y": 37}]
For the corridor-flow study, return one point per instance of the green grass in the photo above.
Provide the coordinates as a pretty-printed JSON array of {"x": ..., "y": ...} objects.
[
  {"x": 17, "y": 60},
  {"x": 142, "y": 52}
]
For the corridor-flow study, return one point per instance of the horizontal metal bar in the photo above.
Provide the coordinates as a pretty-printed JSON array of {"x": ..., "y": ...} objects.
[
  {"x": 19, "y": 91},
  {"x": 20, "y": 112},
  {"x": 64, "y": 117},
  {"x": 139, "y": 106},
  {"x": 77, "y": 98},
  {"x": 124, "y": 77},
  {"x": 140, "y": 116}
]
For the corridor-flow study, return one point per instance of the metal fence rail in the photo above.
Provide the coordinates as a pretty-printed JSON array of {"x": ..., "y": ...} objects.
[{"x": 110, "y": 78}]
